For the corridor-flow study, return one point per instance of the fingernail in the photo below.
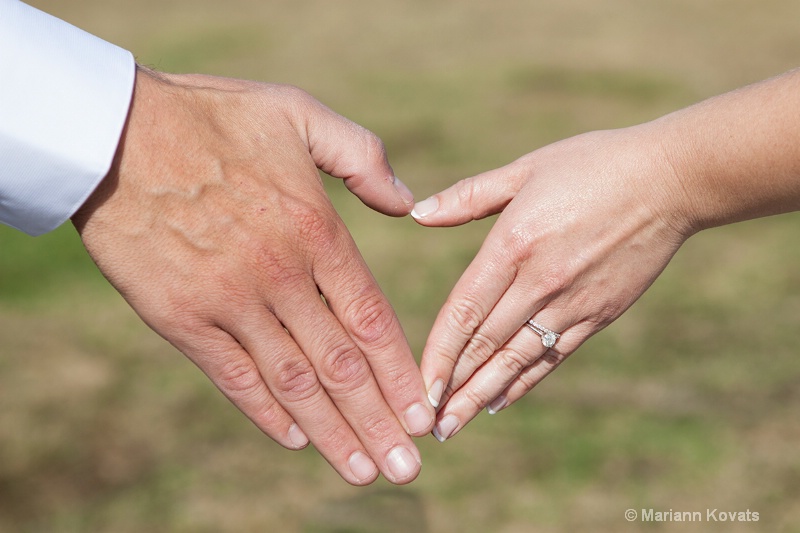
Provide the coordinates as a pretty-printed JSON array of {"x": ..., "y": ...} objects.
[
  {"x": 435, "y": 392},
  {"x": 362, "y": 466},
  {"x": 418, "y": 418},
  {"x": 297, "y": 436},
  {"x": 425, "y": 207},
  {"x": 404, "y": 191},
  {"x": 402, "y": 463},
  {"x": 445, "y": 428},
  {"x": 496, "y": 405}
]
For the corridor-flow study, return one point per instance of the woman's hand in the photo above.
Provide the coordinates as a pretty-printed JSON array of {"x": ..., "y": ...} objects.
[{"x": 587, "y": 225}]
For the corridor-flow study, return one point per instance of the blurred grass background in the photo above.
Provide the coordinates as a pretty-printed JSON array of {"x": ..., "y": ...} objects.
[{"x": 688, "y": 402}]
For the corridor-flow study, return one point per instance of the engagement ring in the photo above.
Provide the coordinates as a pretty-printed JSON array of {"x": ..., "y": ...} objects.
[{"x": 549, "y": 337}]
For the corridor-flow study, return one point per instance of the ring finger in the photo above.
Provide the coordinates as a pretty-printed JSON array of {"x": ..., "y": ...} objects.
[
  {"x": 515, "y": 306},
  {"x": 294, "y": 383},
  {"x": 349, "y": 383},
  {"x": 487, "y": 385}
]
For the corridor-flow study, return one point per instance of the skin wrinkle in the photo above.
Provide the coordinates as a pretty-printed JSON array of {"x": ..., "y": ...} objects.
[
  {"x": 220, "y": 243},
  {"x": 483, "y": 277},
  {"x": 295, "y": 380},
  {"x": 558, "y": 273},
  {"x": 597, "y": 220},
  {"x": 343, "y": 367},
  {"x": 369, "y": 318}
]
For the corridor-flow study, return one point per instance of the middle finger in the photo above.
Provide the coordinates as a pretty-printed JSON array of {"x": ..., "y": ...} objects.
[
  {"x": 347, "y": 378},
  {"x": 503, "y": 368}
]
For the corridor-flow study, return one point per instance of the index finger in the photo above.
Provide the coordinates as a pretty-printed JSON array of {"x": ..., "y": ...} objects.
[{"x": 480, "y": 287}]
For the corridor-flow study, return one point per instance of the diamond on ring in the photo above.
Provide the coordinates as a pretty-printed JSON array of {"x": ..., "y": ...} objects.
[{"x": 549, "y": 337}]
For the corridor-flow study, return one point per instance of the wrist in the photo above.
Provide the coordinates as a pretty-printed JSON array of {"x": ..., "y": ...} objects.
[
  {"x": 734, "y": 157},
  {"x": 144, "y": 101},
  {"x": 673, "y": 183},
  {"x": 649, "y": 173}
]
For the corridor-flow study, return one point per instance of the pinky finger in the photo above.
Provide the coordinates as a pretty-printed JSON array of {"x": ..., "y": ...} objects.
[
  {"x": 236, "y": 375},
  {"x": 527, "y": 380}
]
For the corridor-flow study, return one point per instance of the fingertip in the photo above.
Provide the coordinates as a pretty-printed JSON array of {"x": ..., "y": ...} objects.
[
  {"x": 362, "y": 468},
  {"x": 447, "y": 427},
  {"x": 405, "y": 193},
  {"x": 403, "y": 465},
  {"x": 497, "y": 405},
  {"x": 435, "y": 392},
  {"x": 425, "y": 209},
  {"x": 297, "y": 437},
  {"x": 419, "y": 419}
]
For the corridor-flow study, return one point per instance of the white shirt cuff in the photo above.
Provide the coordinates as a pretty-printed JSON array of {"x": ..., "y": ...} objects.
[{"x": 64, "y": 100}]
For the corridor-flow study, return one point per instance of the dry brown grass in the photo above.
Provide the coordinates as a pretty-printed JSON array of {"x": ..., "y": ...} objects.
[{"x": 680, "y": 405}]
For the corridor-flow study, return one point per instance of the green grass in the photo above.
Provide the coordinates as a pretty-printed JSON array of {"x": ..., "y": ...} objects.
[
  {"x": 680, "y": 404},
  {"x": 32, "y": 268}
]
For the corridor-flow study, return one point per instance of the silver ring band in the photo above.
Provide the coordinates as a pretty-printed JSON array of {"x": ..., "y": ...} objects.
[{"x": 549, "y": 337}]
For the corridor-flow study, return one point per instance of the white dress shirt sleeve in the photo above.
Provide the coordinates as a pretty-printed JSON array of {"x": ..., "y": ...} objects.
[{"x": 64, "y": 99}]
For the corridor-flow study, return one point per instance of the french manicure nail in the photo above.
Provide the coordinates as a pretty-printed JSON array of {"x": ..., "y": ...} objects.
[
  {"x": 402, "y": 463},
  {"x": 362, "y": 466},
  {"x": 445, "y": 428},
  {"x": 404, "y": 191},
  {"x": 496, "y": 405},
  {"x": 425, "y": 207},
  {"x": 435, "y": 392},
  {"x": 297, "y": 436},
  {"x": 418, "y": 418}
]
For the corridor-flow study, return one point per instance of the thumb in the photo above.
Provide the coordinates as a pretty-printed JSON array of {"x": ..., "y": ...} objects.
[
  {"x": 345, "y": 150},
  {"x": 470, "y": 199}
]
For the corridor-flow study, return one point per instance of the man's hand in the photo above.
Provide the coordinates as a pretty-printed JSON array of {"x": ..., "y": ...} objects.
[{"x": 214, "y": 226}]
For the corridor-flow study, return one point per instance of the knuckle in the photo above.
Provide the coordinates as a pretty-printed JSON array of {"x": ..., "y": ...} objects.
[
  {"x": 316, "y": 228},
  {"x": 479, "y": 348},
  {"x": 296, "y": 95},
  {"x": 513, "y": 360},
  {"x": 379, "y": 429},
  {"x": 375, "y": 149},
  {"x": 476, "y": 398},
  {"x": 465, "y": 191},
  {"x": 552, "y": 359},
  {"x": 296, "y": 380},
  {"x": 404, "y": 380},
  {"x": 343, "y": 367},
  {"x": 520, "y": 242},
  {"x": 465, "y": 316},
  {"x": 243, "y": 385},
  {"x": 270, "y": 415},
  {"x": 371, "y": 318},
  {"x": 239, "y": 377},
  {"x": 338, "y": 438}
]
